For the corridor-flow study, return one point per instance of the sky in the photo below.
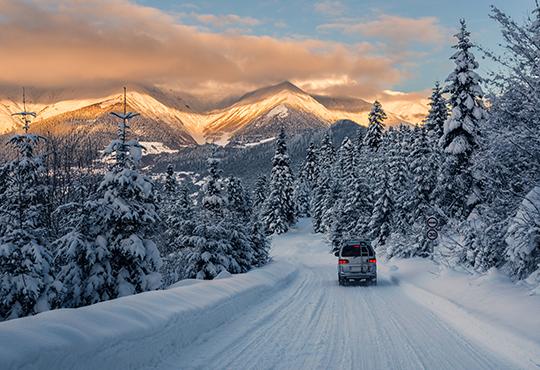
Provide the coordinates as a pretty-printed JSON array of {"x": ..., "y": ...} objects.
[{"x": 215, "y": 48}]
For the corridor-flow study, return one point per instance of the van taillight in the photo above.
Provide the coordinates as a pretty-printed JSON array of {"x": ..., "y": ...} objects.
[
  {"x": 372, "y": 260},
  {"x": 343, "y": 262}
]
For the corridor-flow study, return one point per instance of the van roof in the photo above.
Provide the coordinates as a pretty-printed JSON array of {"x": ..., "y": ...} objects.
[{"x": 357, "y": 241}]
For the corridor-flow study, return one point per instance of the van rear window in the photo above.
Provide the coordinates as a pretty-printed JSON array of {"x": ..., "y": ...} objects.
[{"x": 357, "y": 250}]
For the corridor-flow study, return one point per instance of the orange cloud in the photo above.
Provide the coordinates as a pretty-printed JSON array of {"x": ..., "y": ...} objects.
[{"x": 72, "y": 43}]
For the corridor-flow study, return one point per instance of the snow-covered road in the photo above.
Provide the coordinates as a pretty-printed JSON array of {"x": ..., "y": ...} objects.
[{"x": 313, "y": 323}]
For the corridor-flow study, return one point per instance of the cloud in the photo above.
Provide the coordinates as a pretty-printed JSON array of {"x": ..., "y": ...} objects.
[
  {"x": 396, "y": 30},
  {"x": 331, "y": 8},
  {"x": 226, "y": 20},
  {"x": 59, "y": 43}
]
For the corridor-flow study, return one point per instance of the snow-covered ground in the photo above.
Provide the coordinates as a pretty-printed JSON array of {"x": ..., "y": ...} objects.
[{"x": 292, "y": 314}]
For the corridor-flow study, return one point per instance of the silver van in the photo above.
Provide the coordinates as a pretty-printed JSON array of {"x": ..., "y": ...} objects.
[{"x": 357, "y": 263}]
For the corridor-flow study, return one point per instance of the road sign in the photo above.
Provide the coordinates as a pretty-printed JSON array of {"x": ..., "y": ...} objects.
[
  {"x": 432, "y": 234},
  {"x": 432, "y": 222}
]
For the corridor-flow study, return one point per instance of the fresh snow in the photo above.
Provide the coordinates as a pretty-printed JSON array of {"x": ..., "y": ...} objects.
[{"x": 291, "y": 314}]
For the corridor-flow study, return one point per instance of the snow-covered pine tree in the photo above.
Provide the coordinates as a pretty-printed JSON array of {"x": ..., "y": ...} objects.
[
  {"x": 424, "y": 178},
  {"x": 259, "y": 241},
  {"x": 319, "y": 202},
  {"x": 212, "y": 252},
  {"x": 84, "y": 273},
  {"x": 381, "y": 217},
  {"x": 170, "y": 180},
  {"x": 178, "y": 215},
  {"x": 346, "y": 165},
  {"x": 417, "y": 203},
  {"x": 25, "y": 261},
  {"x": 338, "y": 226},
  {"x": 302, "y": 197},
  {"x": 238, "y": 199},
  {"x": 330, "y": 205},
  {"x": 399, "y": 187},
  {"x": 348, "y": 201},
  {"x": 306, "y": 182},
  {"x": 279, "y": 211},
  {"x": 324, "y": 185},
  {"x": 238, "y": 205},
  {"x": 310, "y": 169},
  {"x": 438, "y": 114},
  {"x": 259, "y": 193},
  {"x": 127, "y": 217},
  {"x": 375, "y": 129},
  {"x": 460, "y": 134}
]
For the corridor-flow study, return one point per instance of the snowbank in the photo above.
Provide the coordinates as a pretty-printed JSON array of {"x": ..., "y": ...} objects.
[
  {"x": 154, "y": 322},
  {"x": 489, "y": 308}
]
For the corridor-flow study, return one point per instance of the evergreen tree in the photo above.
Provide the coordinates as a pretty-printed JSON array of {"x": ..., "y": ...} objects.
[
  {"x": 346, "y": 165},
  {"x": 279, "y": 211},
  {"x": 25, "y": 262},
  {"x": 380, "y": 223},
  {"x": 127, "y": 217},
  {"x": 238, "y": 199},
  {"x": 319, "y": 203},
  {"x": 178, "y": 215},
  {"x": 302, "y": 197},
  {"x": 399, "y": 187},
  {"x": 310, "y": 170},
  {"x": 375, "y": 129},
  {"x": 85, "y": 274},
  {"x": 259, "y": 193},
  {"x": 306, "y": 182},
  {"x": 338, "y": 227},
  {"x": 460, "y": 134},
  {"x": 259, "y": 241},
  {"x": 238, "y": 205},
  {"x": 170, "y": 180},
  {"x": 438, "y": 113},
  {"x": 322, "y": 192},
  {"x": 424, "y": 172},
  {"x": 330, "y": 204},
  {"x": 212, "y": 251}
]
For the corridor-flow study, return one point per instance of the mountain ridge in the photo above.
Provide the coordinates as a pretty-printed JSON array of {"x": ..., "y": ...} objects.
[{"x": 248, "y": 116}]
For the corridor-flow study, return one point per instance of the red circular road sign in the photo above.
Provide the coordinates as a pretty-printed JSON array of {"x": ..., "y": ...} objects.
[
  {"x": 432, "y": 234},
  {"x": 432, "y": 222}
]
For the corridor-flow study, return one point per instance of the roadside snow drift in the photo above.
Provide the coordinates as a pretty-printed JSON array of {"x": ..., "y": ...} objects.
[
  {"x": 488, "y": 308},
  {"x": 153, "y": 323}
]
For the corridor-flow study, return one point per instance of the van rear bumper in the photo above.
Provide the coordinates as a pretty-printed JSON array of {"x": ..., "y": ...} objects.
[{"x": 357, "y": 275}]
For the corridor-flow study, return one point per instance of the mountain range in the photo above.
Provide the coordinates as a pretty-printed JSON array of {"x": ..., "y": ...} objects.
[{"x": 176, "y": 120}]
